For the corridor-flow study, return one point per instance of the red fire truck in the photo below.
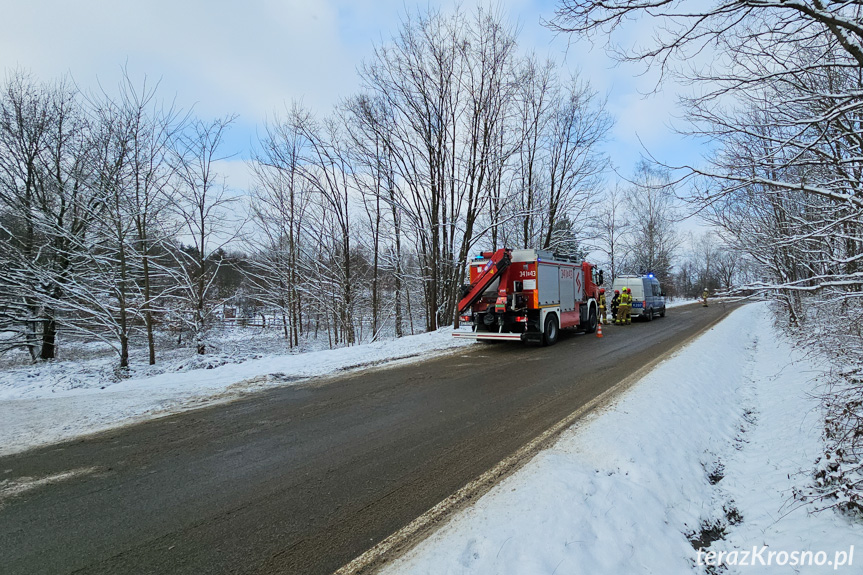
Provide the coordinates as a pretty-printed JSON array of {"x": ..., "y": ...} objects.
[{"x": 528, "y": 295}]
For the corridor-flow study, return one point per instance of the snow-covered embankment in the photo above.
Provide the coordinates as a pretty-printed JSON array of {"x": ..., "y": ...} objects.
[{"x": 36, "y": 408}]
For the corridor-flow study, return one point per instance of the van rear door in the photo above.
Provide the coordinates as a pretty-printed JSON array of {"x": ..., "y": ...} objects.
[{"x": 638, "y": 294}]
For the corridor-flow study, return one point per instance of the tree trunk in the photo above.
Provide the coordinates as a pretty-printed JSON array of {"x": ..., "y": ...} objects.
[
  {"x": 49, "y": 336},
  {"x": 148, "y": 313}
]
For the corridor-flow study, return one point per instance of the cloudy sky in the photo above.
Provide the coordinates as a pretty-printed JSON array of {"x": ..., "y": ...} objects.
[{"x": 250, "y": 58}]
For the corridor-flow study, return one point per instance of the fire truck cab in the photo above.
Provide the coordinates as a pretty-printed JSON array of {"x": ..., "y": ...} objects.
[{"x": 528, "y": 295}]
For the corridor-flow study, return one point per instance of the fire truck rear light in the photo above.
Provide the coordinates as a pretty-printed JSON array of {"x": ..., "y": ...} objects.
[
  {"x": 466, "y": 318},
  {"x": 521, "y": 318}
]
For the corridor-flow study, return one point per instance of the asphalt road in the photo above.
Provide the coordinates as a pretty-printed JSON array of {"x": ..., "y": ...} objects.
[{"x": 304, "y": 479}]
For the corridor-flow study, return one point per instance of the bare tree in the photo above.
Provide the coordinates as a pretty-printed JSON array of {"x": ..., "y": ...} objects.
[
  {"x": 153, "y": 129},
  {"x": 375, "y": 178},
  {"x": 279, "y": 207},
  {"x": 652, "y": 239},
  {"x": 371, "y": 125},
  {"x": 611, "y": 227},
  {"x": 327, "y": 171},
  {"x": 110, "y": 258},
  {"x": 45, "y": 188},
  {"x": 26, "y": 120},
  {"x": 728, "y": 265},
  {"x": 578, "y": 126},
  {"x": 200, "y": 202},
  {"x": 446, "y": 82},
  {"x": 706, "y": 249},
  {"x": 130, "y": 173},
  {"x": 537, "y": 94}
]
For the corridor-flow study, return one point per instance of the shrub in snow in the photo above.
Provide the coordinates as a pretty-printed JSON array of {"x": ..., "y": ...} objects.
[{"x": 838, "y": 474}]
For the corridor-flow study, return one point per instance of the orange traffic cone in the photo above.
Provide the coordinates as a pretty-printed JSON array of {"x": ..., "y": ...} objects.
[{"x": 599, "y": 330}]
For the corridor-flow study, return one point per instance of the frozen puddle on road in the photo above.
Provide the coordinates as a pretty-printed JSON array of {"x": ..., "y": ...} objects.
[{"x": 11, "y": 488}]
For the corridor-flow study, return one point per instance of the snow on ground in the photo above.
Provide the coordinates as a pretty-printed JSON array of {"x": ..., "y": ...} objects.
[
  {"x": 40, "y": 405},
  {"x": 715, "y": 437},
  {"x": 677, "y": 302}
]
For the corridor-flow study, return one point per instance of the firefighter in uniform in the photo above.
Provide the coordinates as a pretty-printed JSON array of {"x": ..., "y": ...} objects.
[
  {"x": 704, "y": 295},
  {"x": 625, "y": 307},
  {"x": 615, "y": 304},
  {"x": 603, "y": 319}
]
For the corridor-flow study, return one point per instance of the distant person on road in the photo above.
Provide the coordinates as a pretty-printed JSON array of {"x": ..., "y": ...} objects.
[
  {"x": 603, "y": 319},
  {"x": 704, "y": 295},
  {"x": 615, "y": 305}
]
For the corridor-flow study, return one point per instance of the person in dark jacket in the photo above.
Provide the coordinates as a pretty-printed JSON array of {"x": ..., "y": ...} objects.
[{"x": 615, "y": 303}]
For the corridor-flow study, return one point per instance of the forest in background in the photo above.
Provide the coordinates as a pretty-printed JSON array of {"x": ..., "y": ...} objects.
[{"x": 118, "y": 227}]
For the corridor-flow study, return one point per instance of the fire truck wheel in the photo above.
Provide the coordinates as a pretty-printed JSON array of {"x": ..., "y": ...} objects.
[
  {"x": 549, "y": 335},
  {"x": 591, "y": 321}
]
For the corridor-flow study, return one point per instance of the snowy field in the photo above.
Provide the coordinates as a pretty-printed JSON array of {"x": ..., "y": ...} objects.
[
  {"x": 46, "y": 403},
  {"x": 705, "y": 451}
]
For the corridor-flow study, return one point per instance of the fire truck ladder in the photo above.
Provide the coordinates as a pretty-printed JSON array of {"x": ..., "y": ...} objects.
[{"x": 498, "y": 262}]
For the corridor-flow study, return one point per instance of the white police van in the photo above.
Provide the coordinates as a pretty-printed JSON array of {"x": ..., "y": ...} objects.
[{"x": 648, "y": 299}]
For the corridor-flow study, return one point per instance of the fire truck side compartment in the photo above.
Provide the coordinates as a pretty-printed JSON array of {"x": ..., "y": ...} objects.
[
  {"x": 549, "y": 285},
  {"x": 567, "y": 288}
]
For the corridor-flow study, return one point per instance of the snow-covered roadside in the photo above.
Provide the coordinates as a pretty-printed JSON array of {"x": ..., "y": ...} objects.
[
  {"x": 34, "y": 413},
  {"x": 714, "y": 437},
  {"x": 677, "y": 302}
]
